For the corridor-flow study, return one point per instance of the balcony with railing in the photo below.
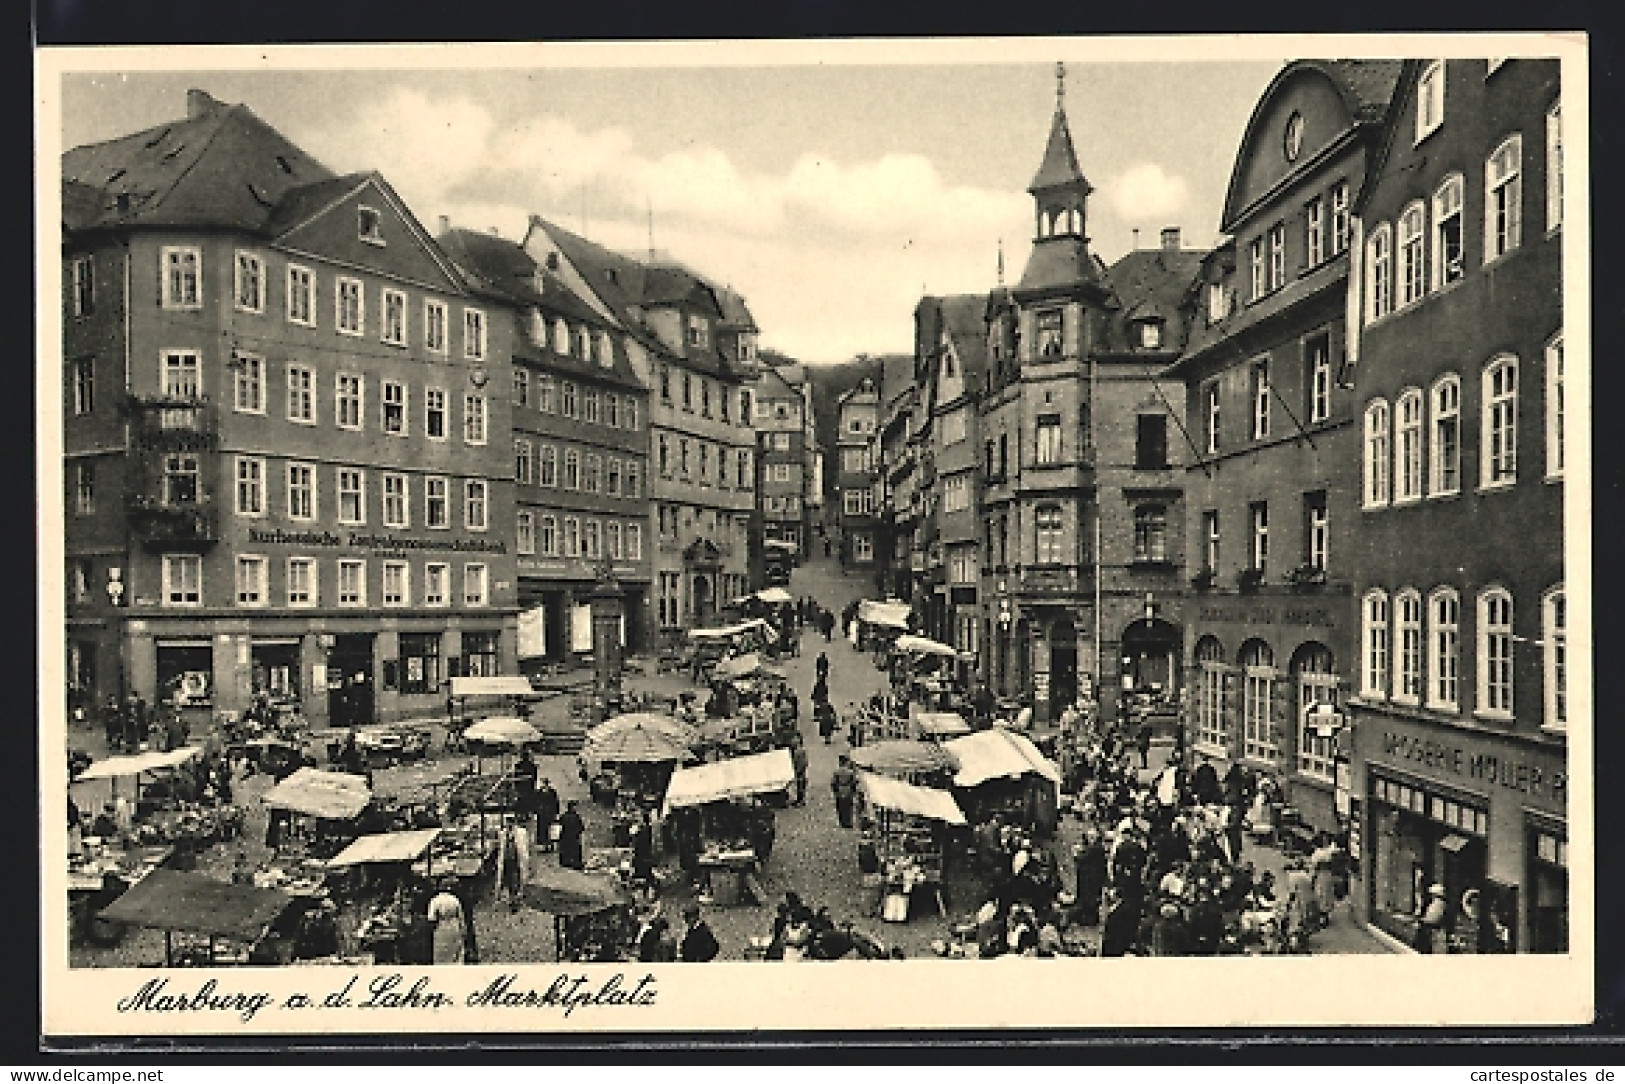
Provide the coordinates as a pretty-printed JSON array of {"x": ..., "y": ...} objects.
[
  {"x": 1050, "y": 581},
  {"x": 169, "y": 423},
  {"x": 158, "y": 521}
]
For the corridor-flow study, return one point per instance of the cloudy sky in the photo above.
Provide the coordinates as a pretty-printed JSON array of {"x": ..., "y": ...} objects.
[{"x": 832, "y": 194}]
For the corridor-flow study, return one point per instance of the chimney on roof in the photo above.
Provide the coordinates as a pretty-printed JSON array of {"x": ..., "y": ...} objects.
[
  {"x": 199, "y": 103},
  {"x": 445, "y": 224},
  {"x": 1134, "y": 245},
  {"x": 495, "y": 232},
  {"x": 1170, "y": 239}
]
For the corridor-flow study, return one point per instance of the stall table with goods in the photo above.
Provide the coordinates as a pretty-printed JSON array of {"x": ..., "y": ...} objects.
[
  {"x": 317, "y": 811},
  {"x": 735, "y": 830},
  {"x": 206, "y": 922},
  {"x": 100, "y": 873},
  {"x": 592, "y": 912},
  {"x": 908, "y": 824},
  {"x": 473, "y": 698},
  {"x": 1001, "y": 771}
]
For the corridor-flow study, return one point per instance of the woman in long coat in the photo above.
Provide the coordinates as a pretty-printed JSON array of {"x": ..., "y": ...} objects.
[
  {"x": 446, "y": 912},
  {"x": 1324, "y": 863}
]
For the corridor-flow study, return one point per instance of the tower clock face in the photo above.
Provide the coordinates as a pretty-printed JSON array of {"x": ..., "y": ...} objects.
[{"x": 1294, "y": 136}]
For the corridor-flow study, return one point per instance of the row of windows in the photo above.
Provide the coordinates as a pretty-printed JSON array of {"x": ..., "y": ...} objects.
[
  {"x": 1314, "y": 681},
  {"x": 541, "y": 465},
  {"x": 1405, "y": 262},
  {"x": 1411, "y": 651},
  {"x": 1324, "y": 238},
  {"x": 669, "y": 516},
  {"x": 697, "y": 393},
  {"x": 564, "y": 398},
  {"x": 181, "y": 377},
  {"x": 181, "y": 287},
  {"x": 579, "y": 342},
  {"x": 301, "y": 582},
  {"x": 681, "y": 465},
  {"x": 551, "y": 536},
  {"x": 1316, "y": 535},
  {"x": 1262, "y": 394},
  {"x": 302, "y": 500},
  {"x": 1395, "y": 449}
]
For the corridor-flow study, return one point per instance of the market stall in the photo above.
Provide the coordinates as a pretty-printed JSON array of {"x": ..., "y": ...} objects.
[
  {"x": 907, "y": 831},
  {"x": 1000, "y": 770},
  {"x": 592, "y": 913},
  {"x": 733, "y": 832},
  {"x": 940, "y": 725},
  {"x": 629, "y": 766},
  {"x": 708, "y": 646},
  {"x": 316, "y": 812},
  {"x": 471, "y": 698},
  {"x": 133, "y": 766},
  {"x": 100, "y": 873},
  {"x": 880, "y": 624},
  {"x": 217, "y": 922},
  {"x": 907, "y": 761}
]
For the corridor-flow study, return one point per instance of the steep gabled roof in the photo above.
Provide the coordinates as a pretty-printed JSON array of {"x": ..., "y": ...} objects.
[
  {"x": 1060, "y": 165},
  {"x": 964, "y": 319},
  {"x": 1151, "y": 283},
  {"x": 220, "y": 167},
  {"x": 504, "y": 268},
  {"x": 736, "y": 314},
  {"x": 616, "y": 279}
]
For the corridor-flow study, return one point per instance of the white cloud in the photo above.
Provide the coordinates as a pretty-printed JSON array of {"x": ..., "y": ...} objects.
[
  {"x": 1145, "y": 191},
  {"x": 858, "y": 239}
]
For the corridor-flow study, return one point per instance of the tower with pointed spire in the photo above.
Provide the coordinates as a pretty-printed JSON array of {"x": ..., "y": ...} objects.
[{"x": 1059, "y": 189}]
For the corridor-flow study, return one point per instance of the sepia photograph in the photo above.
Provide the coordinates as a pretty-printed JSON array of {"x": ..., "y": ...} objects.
[{"x": 518, "y": 519}]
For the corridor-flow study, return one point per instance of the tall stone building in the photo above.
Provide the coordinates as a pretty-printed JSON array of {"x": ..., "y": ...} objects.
[
  {"x": 285, "y": 433},
  {"x": 857, "y": 415},
  {"x": 699, "y": 361},
  {"x": 1272, "y": 480},
  {"x": 1081, "y": 502},
  {"x": 1465, "y": 687}
]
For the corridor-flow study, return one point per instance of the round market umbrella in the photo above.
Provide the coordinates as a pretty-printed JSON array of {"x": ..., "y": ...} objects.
[
  {"x": 637, "y": 745},
  {"x": 503, "y": 730},
  {"x": 675, "y": 729},
  {"x": 902, "y": 756}
]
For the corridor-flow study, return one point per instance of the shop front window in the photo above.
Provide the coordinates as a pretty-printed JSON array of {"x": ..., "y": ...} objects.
[
  {"x": 480, "y": 654},
  {"x": 420, "y": 661},
  {"x": 1316, "y": 683},
  {"x": 1258, "y": 695}
]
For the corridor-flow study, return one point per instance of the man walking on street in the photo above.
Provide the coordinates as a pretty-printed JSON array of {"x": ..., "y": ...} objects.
[
  {"x": 844, "y": 785},
  {"x": 798, "y": 758},
  {"x": 571, "y": 831},
  {"x": 699, "y": 944}
]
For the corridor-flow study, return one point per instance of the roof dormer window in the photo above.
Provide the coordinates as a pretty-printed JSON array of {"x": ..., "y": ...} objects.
[
  {"x": 367, "y": 225},
  {"x": 1429, "y": 100},
  {"x": 1148, "y": 333}
]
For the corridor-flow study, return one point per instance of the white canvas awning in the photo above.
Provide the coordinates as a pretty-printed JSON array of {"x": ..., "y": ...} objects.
[
  {"x": 890, "y": 614},
  {"x": 941, "y": 724},
  {"x": 136, "y": 763},
  {"x": 998, "y": 754},
  {"x": 315, "y": 793},
  {"x": 736, "y": 778},
  {"x": 503, "y": 730},
  {"x": 505, "y": 685},
  {"x": 919, "y": 645},
  {"x": 937, "y": 805},
  {"x": 386, "y": 847},
  {"x": 773, "y": 595}
]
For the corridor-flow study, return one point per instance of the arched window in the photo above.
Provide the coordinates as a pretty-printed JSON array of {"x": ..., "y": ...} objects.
[
  {"x": 1211, "y": 670},
  {"x": 1377, "y": 463},
  {"x": 1408, "y": 647},
  {"x": 1408, "y": 446},
  {"x": 1257, "y": 698},
  {"x": 561, "y": 337},
  {"x": 1316, "y": 683},
  {"x": 1150, "y": 533},
  {"x": 1495, "y": 653},
  {"x": 1555, "y": 635},
  {"x": 1444, "y": 649},
  {"x": 1447, "y": 252},
  {"x": 1498, "y": 454},
  {"x": 1379, "y": 282},
  {"x": 1374, "y": 641},
  {"x": 1503, "y": 198},
  {"x": 1444, "y": 473},
  {"x": 583, "y": 343},
  {"x": 1413, "y": 268}
]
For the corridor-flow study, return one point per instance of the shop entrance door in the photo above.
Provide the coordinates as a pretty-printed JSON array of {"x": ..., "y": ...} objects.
[{"x": 349, "y": 681}]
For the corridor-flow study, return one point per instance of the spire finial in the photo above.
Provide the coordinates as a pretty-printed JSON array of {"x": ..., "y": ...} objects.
[
  {"x": 1060, "y": 84},
  {"x": 1001, "y": 263}
]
